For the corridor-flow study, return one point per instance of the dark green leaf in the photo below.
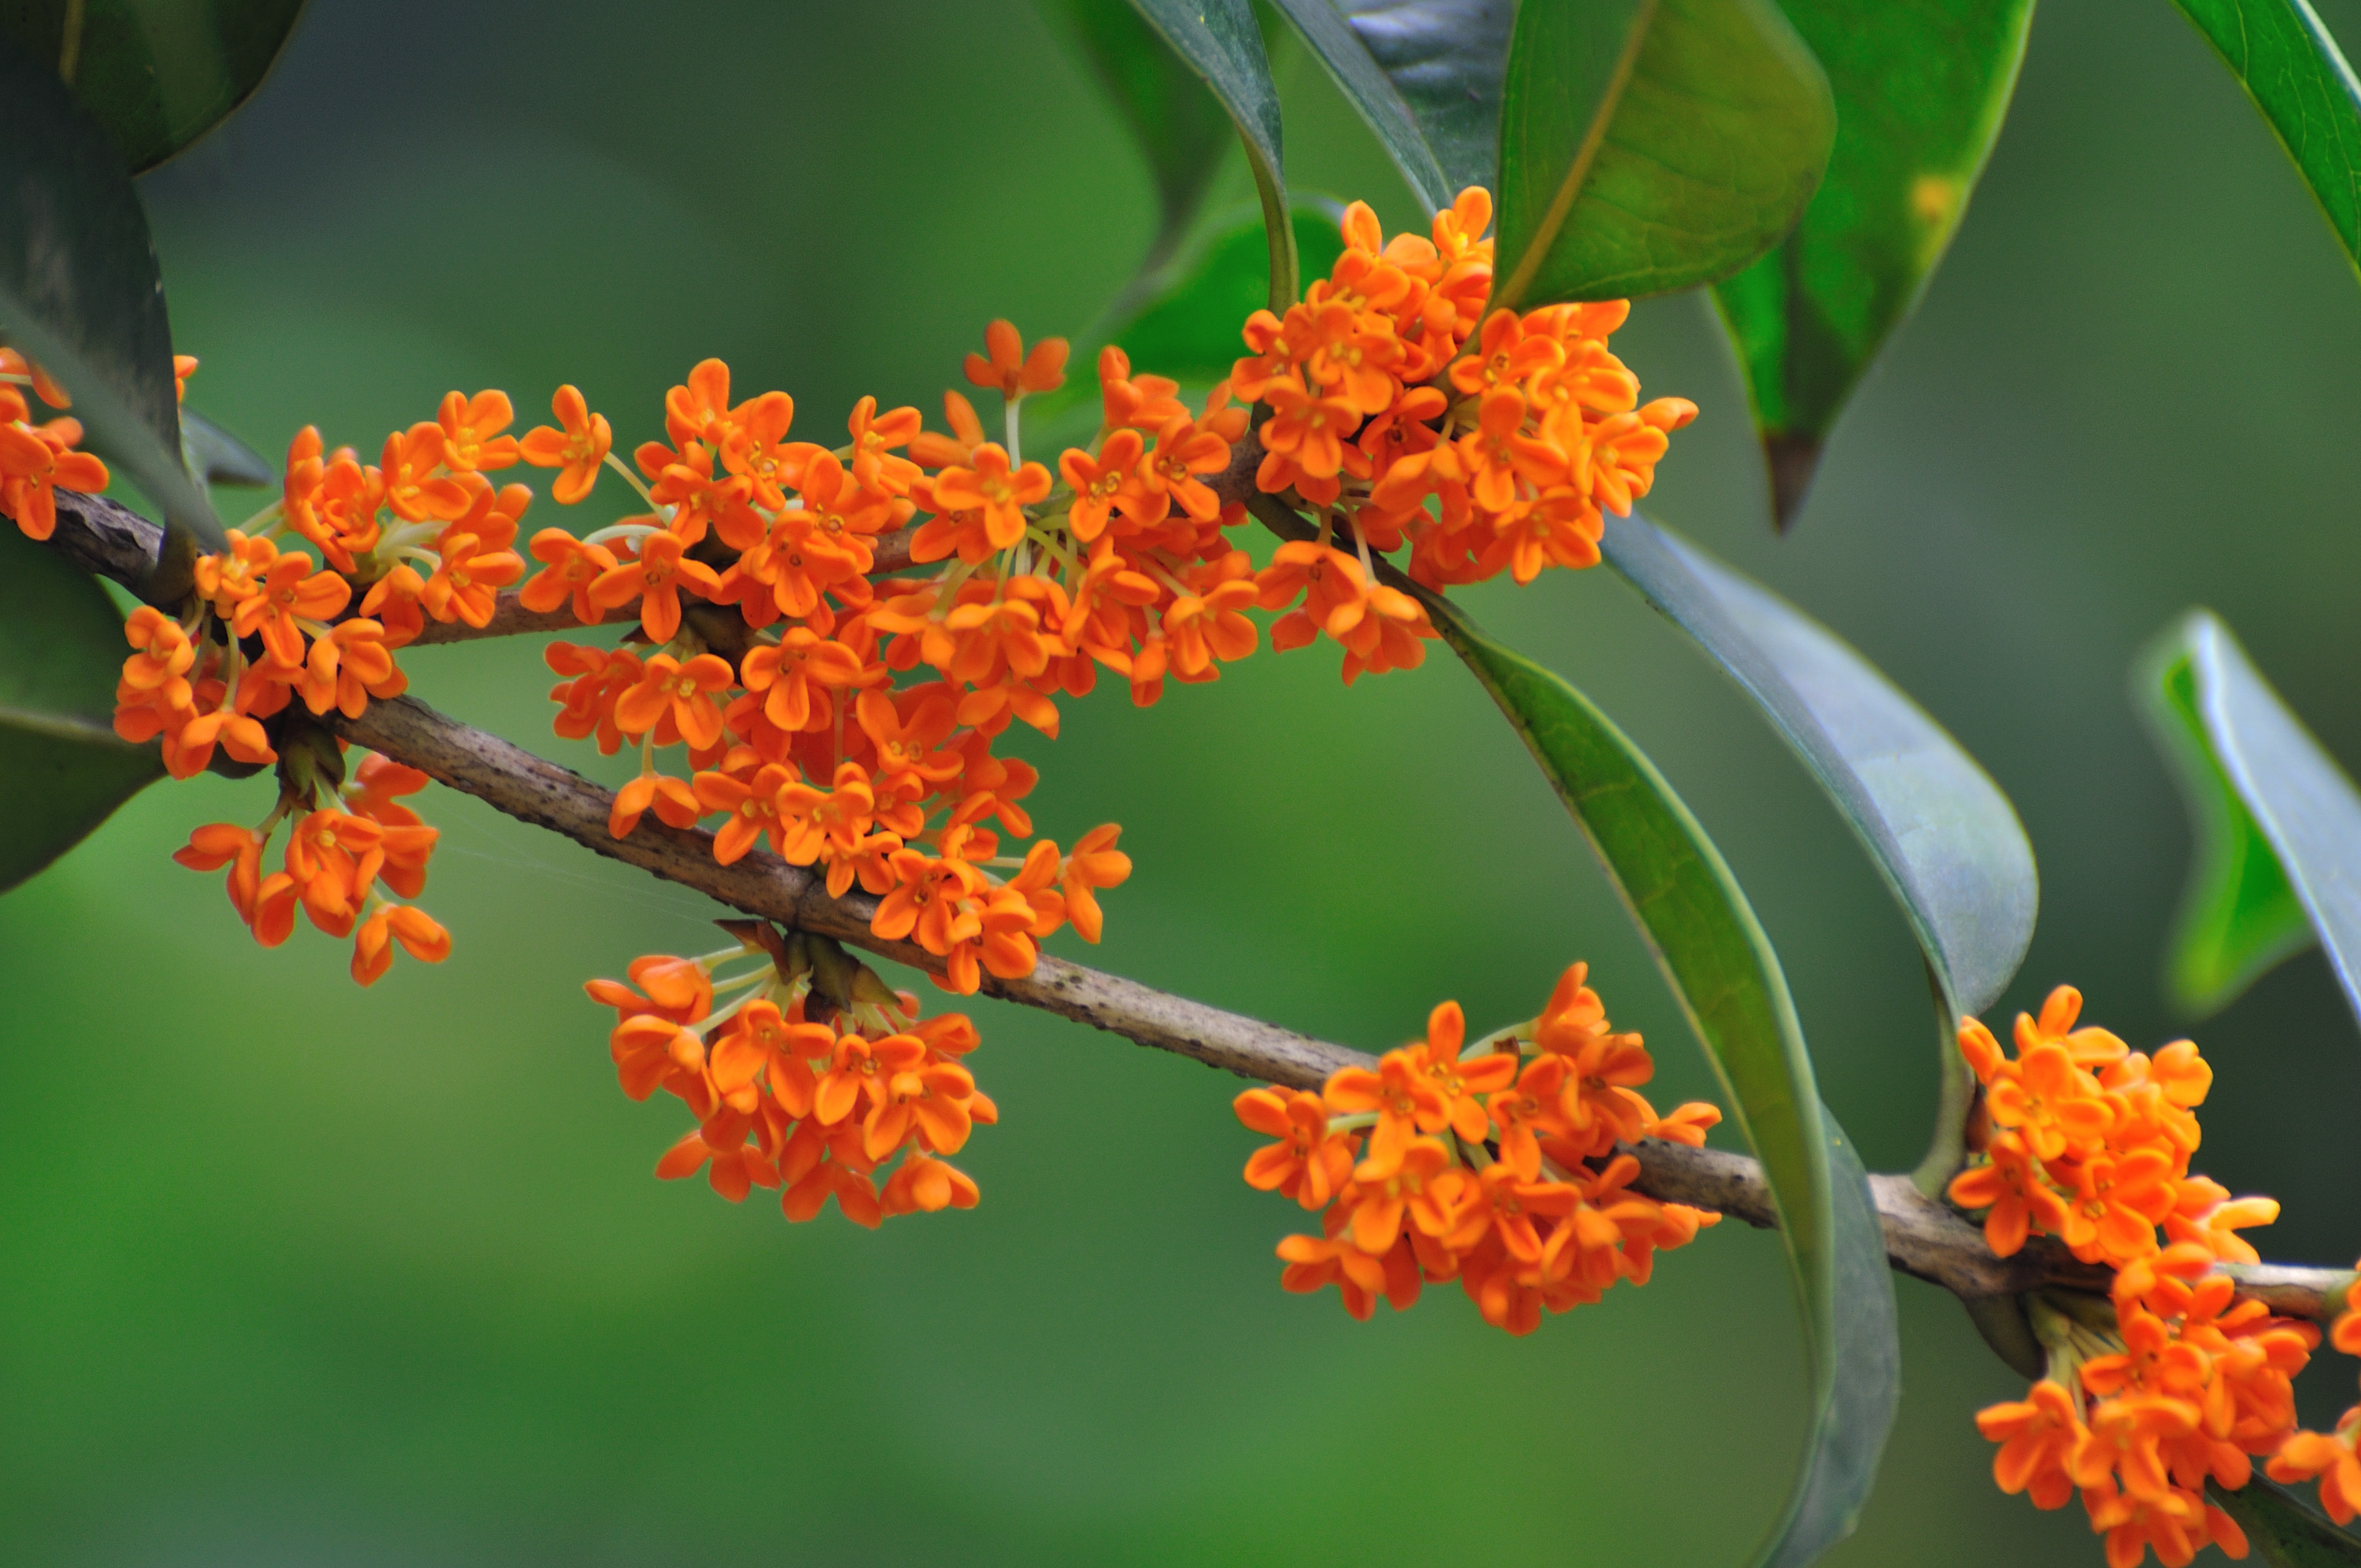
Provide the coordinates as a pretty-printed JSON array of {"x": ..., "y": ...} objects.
[
  {"x": 2287, "y": 1533},
  {"x": 218, "y": 457},
  {"x": 1940, "y": 831},
  {"x": 1179, "y": 125},
  {"x": 1729, "y": 982},
  {"x": 79, "y": 290},
  {"x": 1220, "y": 40},
  {"x": 2284, "y": 57},
  {"x": 1426, "y": 75},
  {"x": 62, "y": 769},
  {"x": 1651, "y": 145},
  {"x": 2277, "y": 823},
  {"x": 1920, "y": 93},
  {"x": 157, "y": 74}
]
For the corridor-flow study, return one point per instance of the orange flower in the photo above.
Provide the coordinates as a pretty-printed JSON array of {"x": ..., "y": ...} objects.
[
  {"x": 471, "y": 427},
  {"x": 684, "y": 693},
  {"x": 347, "y": 667},
  {"x": 1098, "y": 481},
  {"x": 1170, "y": 473},
  {"x": 569, "y": 567},
  {"x": 289, "y": 593},
  {"x": 1407, "y": 1102},
  {"x": 1461, "y": 1083},
  {"x": 1010, "y": 369},
  {"x": 466, "y": 584},
  {"x": 1095, "y": 863},
  {"x": 995, "y": 494},
  {"x": 2052, "y": 1104},
  {"x": 1306, "y": 1164},
  {"x": 753, "y": 806},
  {"x": 874, "y": 466},
  {"x": 789, "y": 672},
  {"x": 1308, "y": 431},
  {"x": 927, "y": 1184},
  {"x": 420, "y": 935},
  {"x": 580, "y": 448},
  {"x": 36, "y": 461},
  {"x": 2116, "y": 1205},
  {"x": 219, "y": 844},
  {"x": 675, "y": 802},
  {"x": 2334, "y": 1460},
  {"x": 655, "y": 580},
  {"x": 2011, "y": 1188}
]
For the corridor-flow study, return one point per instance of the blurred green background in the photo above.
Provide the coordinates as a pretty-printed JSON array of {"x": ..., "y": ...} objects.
[{"x": 293, "y": 1273}]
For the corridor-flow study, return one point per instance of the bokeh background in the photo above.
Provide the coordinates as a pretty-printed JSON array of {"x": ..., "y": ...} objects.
[{"x": 293, "y": 1273}]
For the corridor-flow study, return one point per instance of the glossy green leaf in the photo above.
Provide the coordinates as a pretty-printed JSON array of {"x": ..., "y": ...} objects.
[
  {"x": 2277, "y": 823},
  {"x": 1651, "y": 145},
  {"x": 2283, "y": 56},
  {"x": 79, "y": 290},
  {"x": 1940, "y": 831},
  {"x": 1729, "y": 982},
  {"x": 1179, "y": 125},
  {"x": 157, "y": 74},
  {"x": 1426, "y": 75},
  {"x": 2281, "y": 1530},
  {"x": 218, "y": 457},
  {"x": 1920, "y": 92},
  {"x": 1221, "y": 43},
  {"x": 62, "y": 768}
]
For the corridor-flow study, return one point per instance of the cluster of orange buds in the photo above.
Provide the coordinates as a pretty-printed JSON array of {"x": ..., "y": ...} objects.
[
  {"x": 2171, "y": 1380},
  {"x": 2082, "y": 1139},
  {"x": 809, "y": 1077},
  {"x": 1494, "y": 454},
  {"x": 353, "y": 851},
  {"x": 37, "y": 460},
  {"x": 1493, "y": 1163},
  {"x": 2333, "y": 1457}
]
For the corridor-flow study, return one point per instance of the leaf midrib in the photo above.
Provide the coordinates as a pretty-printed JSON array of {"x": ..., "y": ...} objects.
[{"x": 1577, "y": 173}]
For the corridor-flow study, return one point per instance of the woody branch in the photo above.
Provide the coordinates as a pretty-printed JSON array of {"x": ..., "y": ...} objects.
[{"x": 1923, "y": 1236}]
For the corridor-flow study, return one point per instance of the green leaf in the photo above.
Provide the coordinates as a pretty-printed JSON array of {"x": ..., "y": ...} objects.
[
  {"x": 1940, "y": 831},
  {"x": 1426, "y": 75},
  {"x": 1648, "y": 146},
  {"x": 217, "y": 457},
  {"x": 2278, "y": 1526},
  {"x": 157, "y": 74},
  {"x": 2276, "y": 822},
  {"x": 1920, "y": 93},
  {"x": 1220, "y": 40},
  {"x": 62, "y": 768},
  {"x": 2283, "y": 56},
  {"x": 79, "y": 290},
  {"x": 1729, "y": 982},
  {"x": 1179, "y": 125}
]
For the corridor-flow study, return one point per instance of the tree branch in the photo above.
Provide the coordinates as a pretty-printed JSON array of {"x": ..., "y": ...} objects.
[{"x": 1923, "y": 1238}]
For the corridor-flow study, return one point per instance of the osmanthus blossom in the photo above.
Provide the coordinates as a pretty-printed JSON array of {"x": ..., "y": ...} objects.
[
  {"x": 2171, "y": 1381},
  {"x": 1473, "y": 1162}
]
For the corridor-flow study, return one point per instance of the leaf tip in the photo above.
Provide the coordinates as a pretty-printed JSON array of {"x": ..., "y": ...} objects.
[{"x": 1793, "y": 460}]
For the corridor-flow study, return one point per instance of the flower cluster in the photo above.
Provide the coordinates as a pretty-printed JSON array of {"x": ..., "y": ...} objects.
[
  {"x": 2090, "y": 1141},
  {"x": 1484, "y": 456},
  {"x": 1494, "y": 1164},
  {"x": 36, "y": 460},
  {"x": 2172, "y": 1379},
  {"x": 810, "y": 1078},
  {"x": 2333, "y": 1457},
  {"x": 348, "y": 849},
  {"x": 770, "y": 655},
  {"x": 274, "y": 638}
]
